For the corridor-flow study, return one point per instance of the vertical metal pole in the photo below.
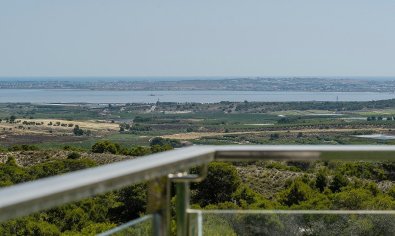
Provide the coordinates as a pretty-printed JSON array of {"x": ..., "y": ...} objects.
[
  {"x": 158, "y": 205},
  {"x": 182, "y": 204},
  {"x": 200, "y": 223}
]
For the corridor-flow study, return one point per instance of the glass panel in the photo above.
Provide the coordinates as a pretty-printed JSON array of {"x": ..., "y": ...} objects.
[
  {"x": 229, "y": 222},
  {"x": 137, "y": 227}
]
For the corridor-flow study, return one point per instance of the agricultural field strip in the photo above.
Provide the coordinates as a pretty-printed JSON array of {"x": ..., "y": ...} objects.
[
  {"x": 196, "y": 135},
  {"x": 90, "y": 124}
]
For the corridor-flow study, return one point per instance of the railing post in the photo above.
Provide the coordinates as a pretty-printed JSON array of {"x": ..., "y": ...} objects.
[
  {"x": 158, "y": 205},
  {"x": 182, "y": 204},
  {"x": 182, "y": 181}
]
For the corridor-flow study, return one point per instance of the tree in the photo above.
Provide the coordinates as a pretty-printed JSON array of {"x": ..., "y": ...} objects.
[
  {"x": 321, "y": 181},
  {"x": 11, "y": 161},
  {"x": 105, "y": 146},
  {"x": 77, "y": 131},
  {"x": 274, "y": 136},
  {"x": 162, "y": 141},
  {"x": 12, "y": 119},
  {"x": 133, "y": 201},
  {"x": 158, "y": 148},
  {"x": 245, "y": 196},
  {"x": 221, "y": 182},
  {"x": 73, "y": 155},
  {"x": 59, "y": 167},
  {"x": 189, "y": 129},
  {"x": 296, "y": 193},
  {"x": 139, "y": 151},
  {"x": 285, "y": 120},
  {"x": 338, "y": 182},
  {"x": 157, "y": 141},
  {"x": 352, "y": 199},
  {"x": 372, "y": 118},
  {"x": 123, "y": 127},
  {"x": 76, "y": 219},
  {"x": 12, "y": 173}
]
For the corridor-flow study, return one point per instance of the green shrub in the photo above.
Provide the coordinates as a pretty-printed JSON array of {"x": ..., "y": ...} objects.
[
  {"x": 73, "y": 155},
  {"x": 296, "y": 193},
  {"x": 221, "y": 182},
  {"x": 352, "y": 199},
  {"x": 105, "y": 146},
  {"x": 23, "y": 147},
  {"x": 321, "y": 181},
  {"x": 338, "y": 182}
]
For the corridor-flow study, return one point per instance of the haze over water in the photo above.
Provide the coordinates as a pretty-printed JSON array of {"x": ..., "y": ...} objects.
[{"x": 178, "y": 78}]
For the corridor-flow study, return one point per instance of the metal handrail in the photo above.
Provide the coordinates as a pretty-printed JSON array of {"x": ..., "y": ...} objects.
[
  {"x": 25, "y": 198},
  {"x": 22, "y": 199}
]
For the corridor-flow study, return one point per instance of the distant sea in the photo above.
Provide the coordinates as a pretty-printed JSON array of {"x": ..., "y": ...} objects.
[
  {"x": 94, "y": 96},
  {"x": 120, "y": 78},
  {"x": 180, "y": 78}
]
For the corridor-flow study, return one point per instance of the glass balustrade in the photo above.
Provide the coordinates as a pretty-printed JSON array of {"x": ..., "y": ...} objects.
[
  {"x": 137, "y": 227},
  {"x": 267, "y": 222}
]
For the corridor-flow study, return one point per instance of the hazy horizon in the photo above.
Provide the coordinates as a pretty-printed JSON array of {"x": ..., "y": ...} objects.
[{"x": 176, "y": 78}]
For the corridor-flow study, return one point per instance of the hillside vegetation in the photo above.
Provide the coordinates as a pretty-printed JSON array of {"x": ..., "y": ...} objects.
[{"x": 38, "y": 141}]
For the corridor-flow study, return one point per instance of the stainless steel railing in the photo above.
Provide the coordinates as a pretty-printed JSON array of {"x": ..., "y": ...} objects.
[{"x": 160, "y": 169}]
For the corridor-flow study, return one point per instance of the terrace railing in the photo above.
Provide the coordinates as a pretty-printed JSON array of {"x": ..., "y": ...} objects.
[{"x": 164, "y": 168}]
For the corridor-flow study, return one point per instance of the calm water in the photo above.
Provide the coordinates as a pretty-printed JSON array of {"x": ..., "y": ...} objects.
[{"x": 89, "y": 96}]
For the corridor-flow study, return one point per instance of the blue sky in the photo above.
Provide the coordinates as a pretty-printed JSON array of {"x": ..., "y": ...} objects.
[{"x": 197, "y": 38}]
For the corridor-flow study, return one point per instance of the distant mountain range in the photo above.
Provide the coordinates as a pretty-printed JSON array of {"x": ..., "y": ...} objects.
[{"x": 234, "y": 84}]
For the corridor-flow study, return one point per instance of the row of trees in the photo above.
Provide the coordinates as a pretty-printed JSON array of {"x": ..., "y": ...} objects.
[
  {"x": 10, "y": 119},
  {"x": 124, "y": 127},
  {"x": 156, "y": 145},
  {"x": 313, "y": 105},
  {"x": 374, "y": 118}
]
